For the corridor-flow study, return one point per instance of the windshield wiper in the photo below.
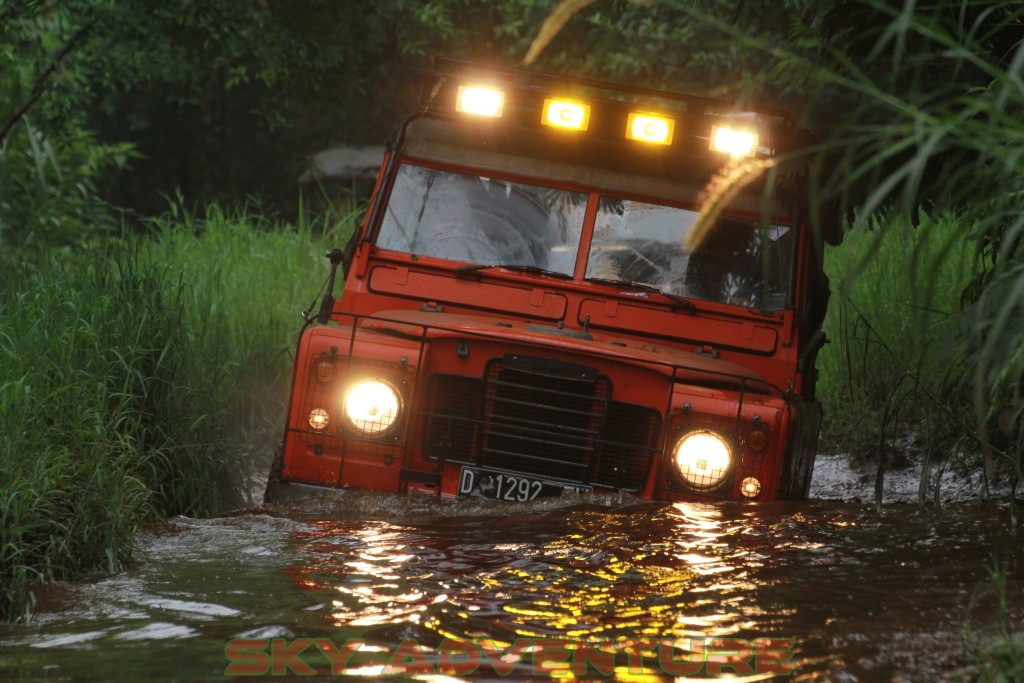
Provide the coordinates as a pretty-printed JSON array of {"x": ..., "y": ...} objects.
[
  {"x": 674, "y": 298},
  {"x": 519, "y": 267}
]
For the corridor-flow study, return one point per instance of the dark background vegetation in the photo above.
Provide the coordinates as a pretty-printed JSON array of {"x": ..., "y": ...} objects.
[
  {"x": 149, "y": 157},
  {"x": 224, "y": 100}
]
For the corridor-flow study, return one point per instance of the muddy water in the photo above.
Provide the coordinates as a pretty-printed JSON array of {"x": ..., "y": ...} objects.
[{"x": 845, "y": 594}]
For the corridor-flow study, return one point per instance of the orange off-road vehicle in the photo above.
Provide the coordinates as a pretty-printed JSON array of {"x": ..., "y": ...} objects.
[{"x": 563, "y": 284}]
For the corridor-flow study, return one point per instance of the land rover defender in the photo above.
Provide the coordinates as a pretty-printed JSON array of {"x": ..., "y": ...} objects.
[{"x": 569, "y": 285}]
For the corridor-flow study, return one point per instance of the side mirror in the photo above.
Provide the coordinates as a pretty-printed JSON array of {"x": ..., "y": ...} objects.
[{"x": 337, "y": 256}]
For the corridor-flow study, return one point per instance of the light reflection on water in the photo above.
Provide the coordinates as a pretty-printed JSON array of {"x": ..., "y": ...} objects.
[{"x": 866, "y": 597}]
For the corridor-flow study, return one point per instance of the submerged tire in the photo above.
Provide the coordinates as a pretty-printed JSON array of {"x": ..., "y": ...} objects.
[{"x": 274, "y": 476}]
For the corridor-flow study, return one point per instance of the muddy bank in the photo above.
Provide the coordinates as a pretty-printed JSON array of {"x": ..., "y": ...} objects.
[{"x": 842, "y": 478}]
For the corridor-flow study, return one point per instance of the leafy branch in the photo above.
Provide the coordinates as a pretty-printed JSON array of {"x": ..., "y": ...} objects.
[{"x": 39, "y": 87}]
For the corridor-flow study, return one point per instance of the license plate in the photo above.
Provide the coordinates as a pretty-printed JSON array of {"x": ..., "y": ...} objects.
[{"x": 479, "y": 483}]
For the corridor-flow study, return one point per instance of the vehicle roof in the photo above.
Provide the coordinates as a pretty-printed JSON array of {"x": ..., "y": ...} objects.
[
  {"x": 601, "y": 156},
  {"x": 553, "y": 159}
]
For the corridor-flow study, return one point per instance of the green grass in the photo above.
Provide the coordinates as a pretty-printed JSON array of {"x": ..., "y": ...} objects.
[
  {"x": 894, "y": 361},
  {"x": 995, "y": 647},
  {"x": 246, "y": 282},
  {"x": 139, "y": 380}
]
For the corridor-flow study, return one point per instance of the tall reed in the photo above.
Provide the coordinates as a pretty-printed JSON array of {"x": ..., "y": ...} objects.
[
  {"x": 895, "y": 326},
  {"x": 99, "y": 432},
  {"x": 138, "y": 378},
  {"x": 245, "y": 281}
]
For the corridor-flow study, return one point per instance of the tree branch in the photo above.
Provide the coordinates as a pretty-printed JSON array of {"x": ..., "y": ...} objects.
[
  {"x": 40, "y": 85},
  {"x": 558, "y": 18}
]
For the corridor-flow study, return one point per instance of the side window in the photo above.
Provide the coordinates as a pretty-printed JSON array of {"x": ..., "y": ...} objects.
[{"x": 742, "y": 263}]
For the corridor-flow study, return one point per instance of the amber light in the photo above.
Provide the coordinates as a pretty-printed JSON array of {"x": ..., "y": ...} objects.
[
  {"x": 480, "y": 101},
  {"x": 325, "y": 371},
  {"x": 757, "y": 440},
  {"x": 319, "y": 419},
  {"x": 566, "y": 114},
  {"x": 650, "y": 128},
  {"x": 750, "y": 487}
]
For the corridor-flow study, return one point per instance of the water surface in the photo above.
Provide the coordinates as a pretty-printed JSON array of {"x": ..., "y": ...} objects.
[{"x": 858, "y": 596}]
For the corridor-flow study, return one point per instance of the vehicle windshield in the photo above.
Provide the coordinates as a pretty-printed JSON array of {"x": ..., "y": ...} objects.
[
  {"x": 483, "y": 220},
  {"x": 489, "y": 221}
]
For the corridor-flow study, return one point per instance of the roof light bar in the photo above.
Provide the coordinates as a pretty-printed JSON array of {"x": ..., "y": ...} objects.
[
  {"x": 566, "y": 114},
  {"x": 737, "y": 142},
  {"x": 480, "y": 100},
  {"x": 650, "y": 128}
]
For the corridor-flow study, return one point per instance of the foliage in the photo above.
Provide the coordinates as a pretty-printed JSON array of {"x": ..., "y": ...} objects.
[
  {"x": 51, "y": 166},
  {"x": 138, "y": 382},
  {"x": 996, "y": 647},
  {"x": 246, "y": 280},
  {"x": 934, "y": 118},
  {"x": 224, "y": 100},
  {"x": 895, "y": 323},
  {"x": 99, "y": 431}
]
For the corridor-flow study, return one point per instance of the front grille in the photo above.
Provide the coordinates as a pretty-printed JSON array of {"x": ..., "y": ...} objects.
[
  {"x": 540, "y": 423},
  {"x": 543, "y": 418}
]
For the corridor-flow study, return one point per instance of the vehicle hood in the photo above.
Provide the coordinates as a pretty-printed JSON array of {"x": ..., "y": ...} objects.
[{"x": 687, "y": 365}]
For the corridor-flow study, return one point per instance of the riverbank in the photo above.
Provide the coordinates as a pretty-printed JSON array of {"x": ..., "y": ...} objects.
[{"x": 840, "y": 477}]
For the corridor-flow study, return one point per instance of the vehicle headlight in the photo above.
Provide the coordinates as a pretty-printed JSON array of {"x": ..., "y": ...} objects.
[
  {"x": 702, "y": 460},
  {"x": 372, "y": 406}
]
